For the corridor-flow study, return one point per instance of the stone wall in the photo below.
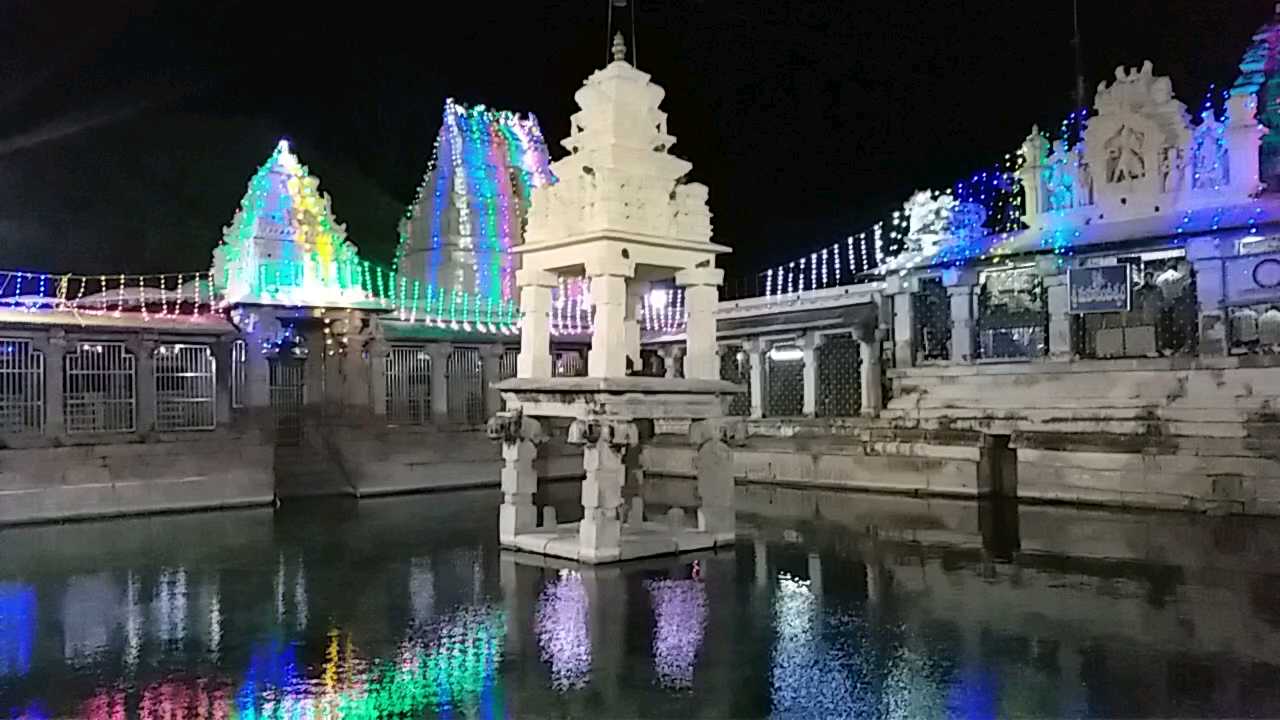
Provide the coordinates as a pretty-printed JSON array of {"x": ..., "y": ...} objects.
[
  {"x": 1171, "y": 433},
  {"x": 173, "y": 472},
  {"x": 381, "y": 459}
]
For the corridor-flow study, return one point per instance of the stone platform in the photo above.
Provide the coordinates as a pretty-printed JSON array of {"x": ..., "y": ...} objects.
[{"x": 649, "y": 539}]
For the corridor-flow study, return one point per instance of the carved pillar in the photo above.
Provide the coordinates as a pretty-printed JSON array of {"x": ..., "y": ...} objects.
[
  {"x": 635, "y": 302},
  {"x": 701, "y": 300},
  {"x": 1059, "y": 307},
  {"x": 603, "y": 458},
  {"x": 534, "y": 360},
  {"x": 490, "y": 359},
  {"x": 870, "y": 377},
  {"x": 1205, "y": 255},
  {"x": 755, "y": 350},
  {"x": 904, "y": 328},
  {"x": 378, "y": 351},
  {"x": 714, "y": 466},
  {"x": 609, "y": 295},
  {"x": 440, "y": 353},
  {"x": 671, "y": 356},
  {"x": 55, "y": 351},
  {"x": 809, "y": 344},
  {"x": 520, "y": 436}
]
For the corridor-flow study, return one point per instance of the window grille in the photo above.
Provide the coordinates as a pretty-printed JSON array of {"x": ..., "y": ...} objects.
[
  {"x": 1164, "y": 319},
  {"x": 735, "y": 366},
  {"x": 408, "y": 384},
  {"x": 99, "y": 389},
  {"x": 839, "y": 377},
  {"x": 507, "y": 363},
  {"x": 239, "y": 365},
  {"x": 287, "y": 388},
  {"x": 569, "y": 363},
  {"x": 464, "y": 379},
  {"x": 21, "y": 387},
  {"x": 186, "y": 387},
  {"x": 784, "y": 385}
]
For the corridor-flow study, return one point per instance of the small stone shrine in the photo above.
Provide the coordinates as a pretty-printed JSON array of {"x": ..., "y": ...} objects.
[{"x": 623, "y": 216}]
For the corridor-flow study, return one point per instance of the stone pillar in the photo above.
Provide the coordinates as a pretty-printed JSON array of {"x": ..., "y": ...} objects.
[
  {"x": 257, "y": 371},
  {"x": 490, "y": 359},
  {"x": 761, "y": 562},
  {"x": 55, "y": 352},
  {"x": 1059, "y": 307},
  {"x": 144, "y": 350},
  {"x": 904, "y": 355},
  {"x": 603, "y": 458},
  {"x": 222, "y": 381},
  {"x": 439, "y": 353},
  {"x": 756, "y": 350},
  {"x": 671, "y": 356},
  {"x": 608, "y": 356},
  {"x": 809, "y": 344},
  {"x": 534, "y": 360},
  {"x": 714, "y": 466},
  {"x": 701, "y": 301},
  {"x": 519, "y": 480},
  {"x": 356, "y": 371},
  {"x": 961, "y": 297},
  {"x": 378, "y": 351},
  {"x": 635, "y": 302},
  {"x": 1206, "y": 255},
  {"x": 870, "y": 374}
]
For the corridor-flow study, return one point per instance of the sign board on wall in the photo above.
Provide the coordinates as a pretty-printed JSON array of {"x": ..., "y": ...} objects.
[
  {"x": 1252, "y": 279},
  {"x": 1099, "y": 289}
]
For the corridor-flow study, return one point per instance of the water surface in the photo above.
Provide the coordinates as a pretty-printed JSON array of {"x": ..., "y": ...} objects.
[{"x": 830, "y": 605}]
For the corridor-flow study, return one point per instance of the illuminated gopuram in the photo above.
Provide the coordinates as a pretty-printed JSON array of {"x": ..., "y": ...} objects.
[{"x": 621, "y": 215}]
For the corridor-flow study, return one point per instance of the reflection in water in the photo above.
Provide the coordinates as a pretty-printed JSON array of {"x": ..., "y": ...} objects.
[
  {"x": 806, "y": 677},
  {"x": 562, "y": 631},
  {"x": 680, "y": 620},
  {"x": 401, "y": 613},
  {"x": 17, "y": 627}
]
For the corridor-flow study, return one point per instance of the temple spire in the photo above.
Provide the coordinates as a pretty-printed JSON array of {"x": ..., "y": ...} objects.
[{"x": 619, "y": 48}]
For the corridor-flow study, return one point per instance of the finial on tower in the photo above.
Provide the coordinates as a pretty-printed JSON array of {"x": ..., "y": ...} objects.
[{"x": 619, "y": 48}]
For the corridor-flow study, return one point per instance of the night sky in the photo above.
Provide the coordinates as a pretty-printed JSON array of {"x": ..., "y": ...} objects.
[{"x": 128, "y": 129}]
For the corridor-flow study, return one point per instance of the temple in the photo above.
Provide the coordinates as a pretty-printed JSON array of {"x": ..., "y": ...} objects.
[{"x": 1092, "y": 318}]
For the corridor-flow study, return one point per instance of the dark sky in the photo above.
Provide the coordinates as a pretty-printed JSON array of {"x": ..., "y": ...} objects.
[{"x": 129, "y": 128}]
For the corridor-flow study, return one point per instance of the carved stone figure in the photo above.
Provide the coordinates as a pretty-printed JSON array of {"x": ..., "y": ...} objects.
[
  {"x": 1083, "y": 190},
  {"x": 1173, "y": 168},
  {"x": 1125, "y": 159}
]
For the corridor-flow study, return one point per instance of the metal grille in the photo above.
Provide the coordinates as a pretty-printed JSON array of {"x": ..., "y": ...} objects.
[
  {"x": 287, "y": 388},
  {"x": 1013, "y": 318},
  {"x": 98, "y": 389},
  {"x": 185, "y": 387},
  {"x": 735, "y": 366},
  {"x": 931, "y": 314},
  {"x": 464, "y": 381},
  {"x": 507, "y": 363},
  {"x": 569, "y": 363},
  {"x": 21, "y": 387},
  {"x": 239, "y": 360},
  {"x": 408, "y": 384},
  {"x": 784, "y": 387},
  {"x": 839, "y": 382}
]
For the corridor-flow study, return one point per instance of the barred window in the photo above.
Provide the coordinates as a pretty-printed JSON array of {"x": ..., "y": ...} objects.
[
  {"x": 568, "y": 363},
  {"x": 507, "y": 363},
  {"x": 839, "y": 377},
  {"x": 239, "y": 364},
  {"x": 186, "y": 387},
  {"x": 464, "y": 376},
  {"x": 735, "y": 366},
  {"x": 408, "y": 384},
  {"x": 99, "y": 386},
  {"x": 21, "y": 387},
  {"x": 784, "y": 381}
]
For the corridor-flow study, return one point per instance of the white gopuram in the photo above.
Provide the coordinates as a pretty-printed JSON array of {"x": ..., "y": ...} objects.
[{"x": 621, "y": 215}]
